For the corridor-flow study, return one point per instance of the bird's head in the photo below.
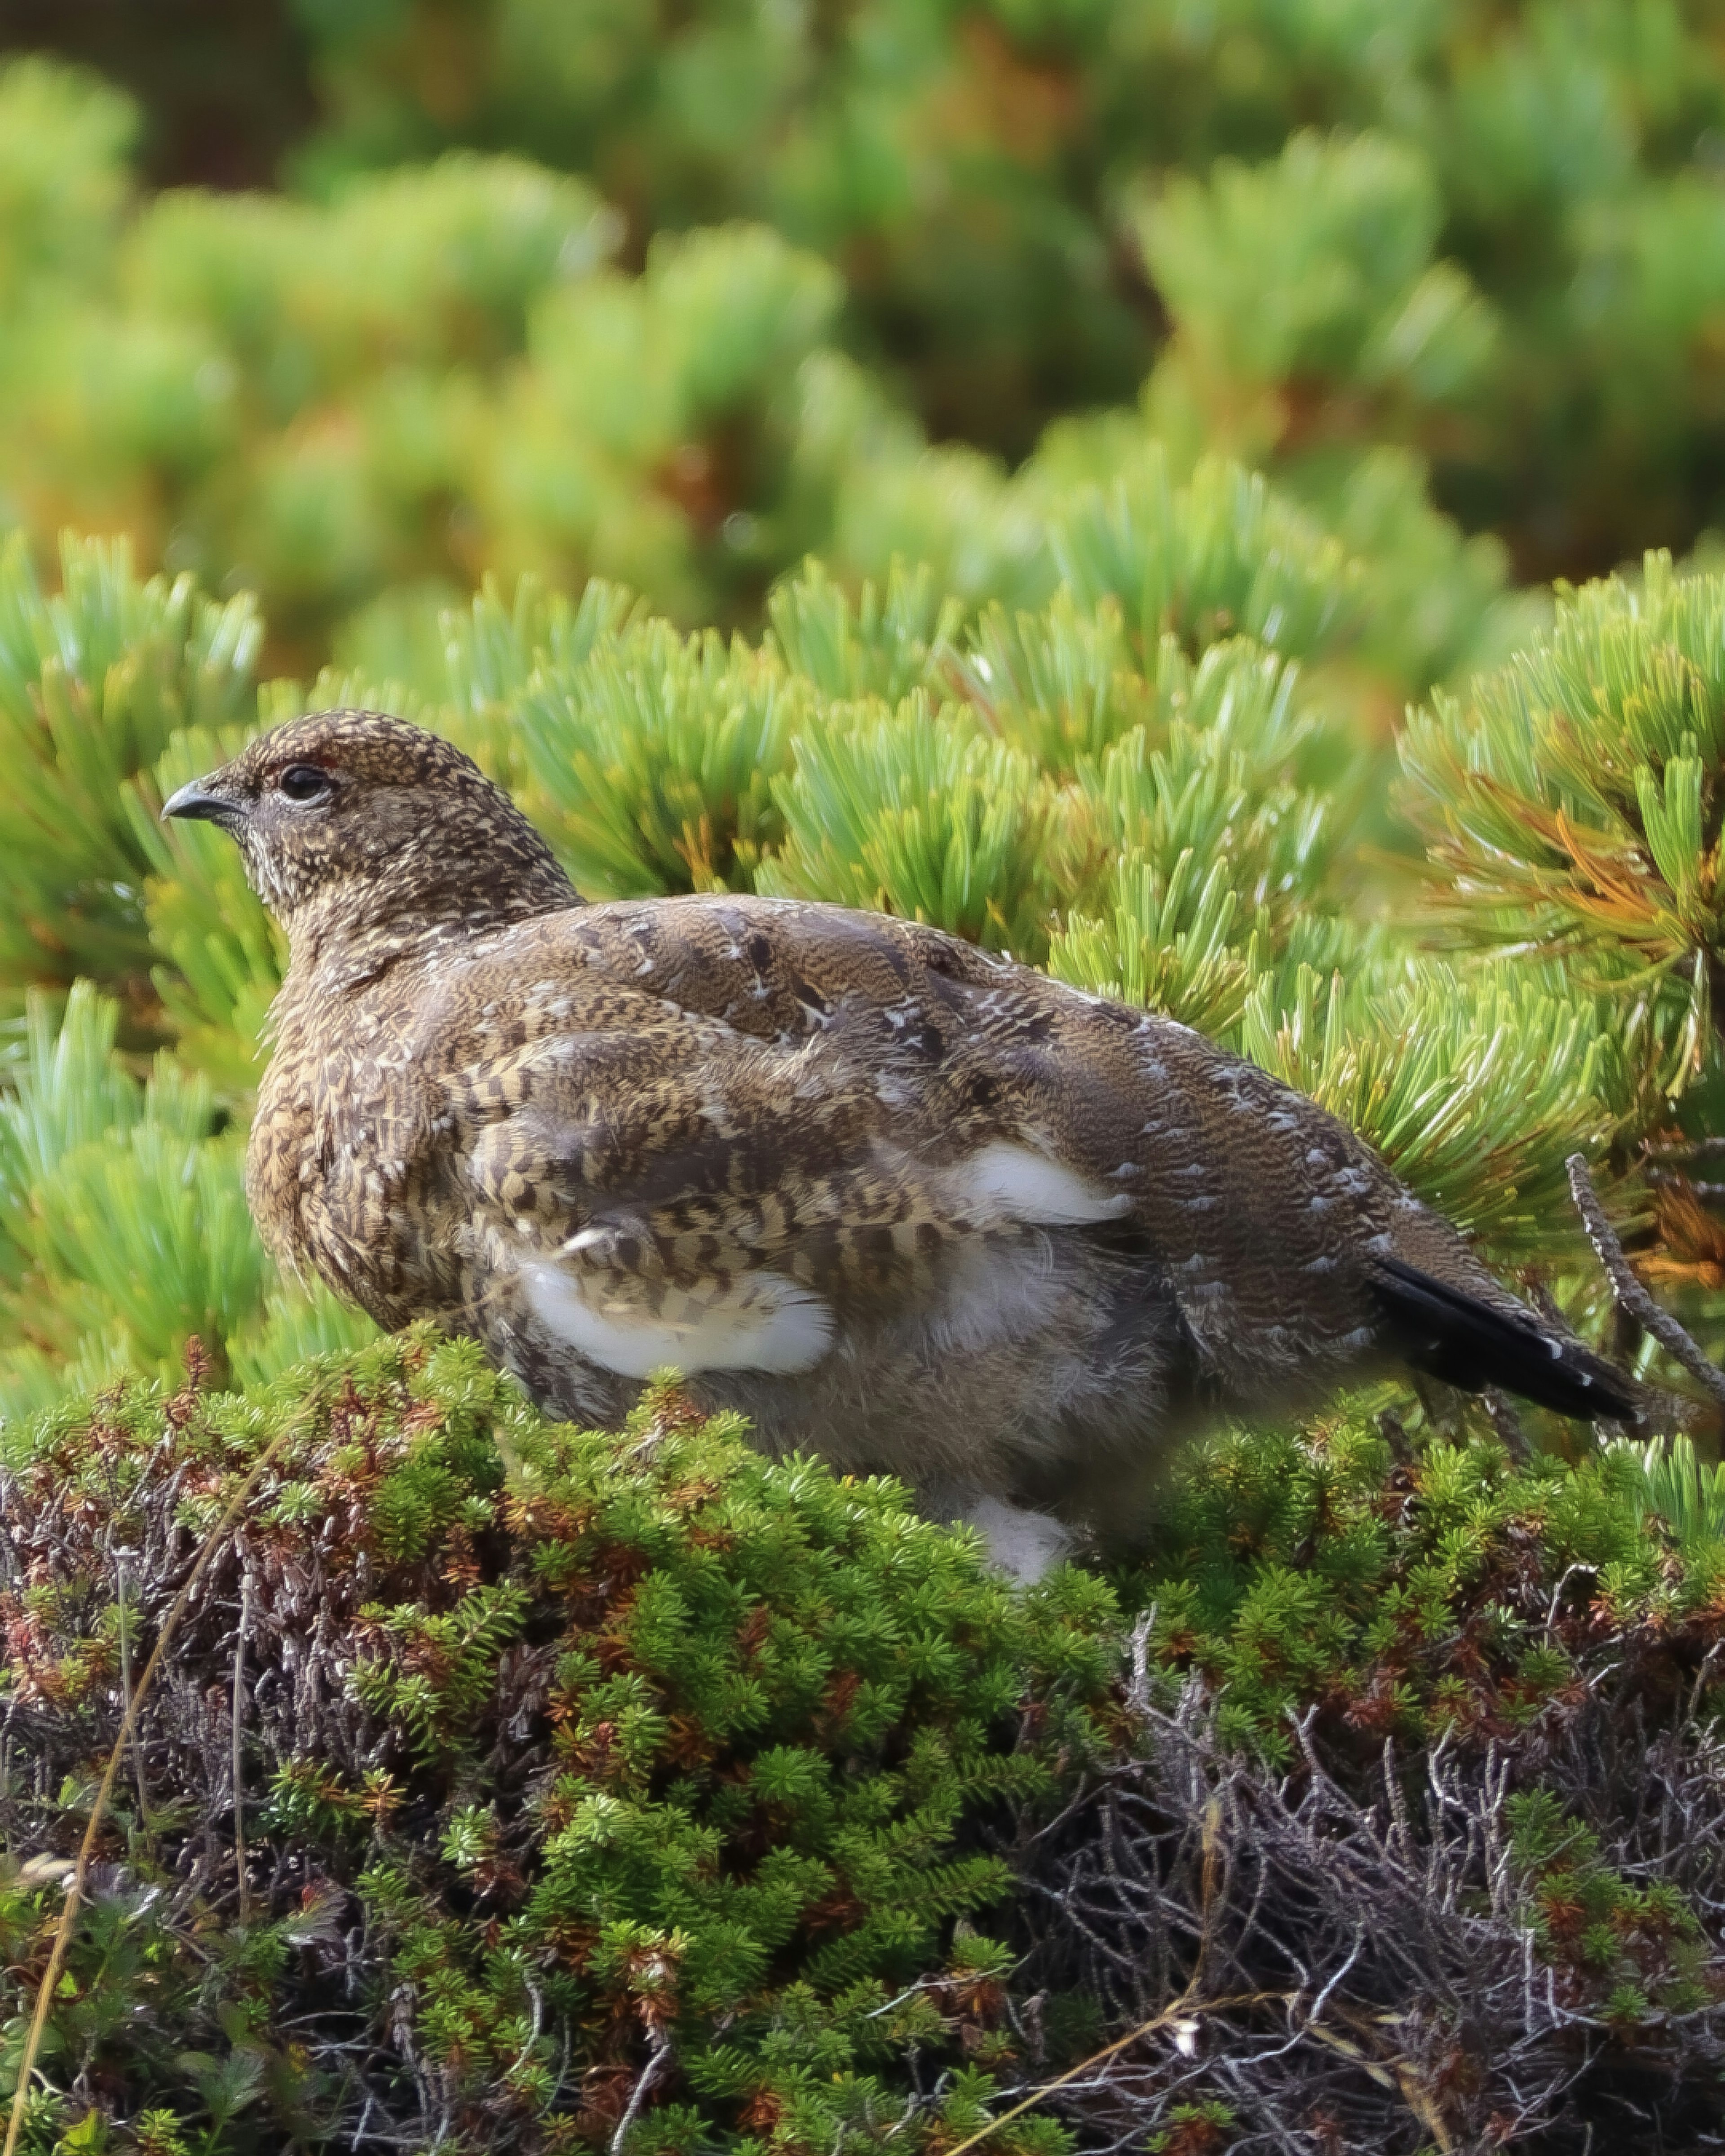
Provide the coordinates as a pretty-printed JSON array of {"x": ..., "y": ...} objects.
[{"x": 355, "y": 825}]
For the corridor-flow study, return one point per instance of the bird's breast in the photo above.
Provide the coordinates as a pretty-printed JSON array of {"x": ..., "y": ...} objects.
[{"x": 336, "y": 1176}]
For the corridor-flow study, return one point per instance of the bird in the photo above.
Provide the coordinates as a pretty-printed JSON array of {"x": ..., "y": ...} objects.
[{"x": 907, "y": 1204}]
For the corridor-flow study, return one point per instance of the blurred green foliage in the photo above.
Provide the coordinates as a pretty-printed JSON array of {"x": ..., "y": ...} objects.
[
  {"x": 679, "y": 300},
  {"x": 1499, "y": 226},
  {"x": 1492, "y": 234}
]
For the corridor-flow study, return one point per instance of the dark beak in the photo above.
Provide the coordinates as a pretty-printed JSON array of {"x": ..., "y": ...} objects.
[{"x": 196, "y": 800}]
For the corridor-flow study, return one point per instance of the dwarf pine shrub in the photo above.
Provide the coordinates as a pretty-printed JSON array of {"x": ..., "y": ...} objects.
[
  {"x": 1491, "y": 238},
  {"x": 626, "y": 295}
]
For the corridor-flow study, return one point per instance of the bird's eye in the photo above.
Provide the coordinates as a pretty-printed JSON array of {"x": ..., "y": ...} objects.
[{"x": 303, "y": 782}]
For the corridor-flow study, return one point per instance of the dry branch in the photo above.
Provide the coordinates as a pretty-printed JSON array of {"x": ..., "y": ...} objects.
[{"x": 1632, "y": 1296}]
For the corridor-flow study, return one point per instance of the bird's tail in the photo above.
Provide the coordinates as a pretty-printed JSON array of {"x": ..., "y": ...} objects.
[{"x": 1468, "y": 1342}]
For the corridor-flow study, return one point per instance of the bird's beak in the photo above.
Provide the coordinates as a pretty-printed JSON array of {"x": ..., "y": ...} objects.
[{"x": 198, "y": 800}]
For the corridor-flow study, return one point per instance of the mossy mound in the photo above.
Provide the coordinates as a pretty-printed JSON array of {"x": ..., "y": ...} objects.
[
  {"x": 635, "y": 1785},
  {"x": 571, "y": 1768}
]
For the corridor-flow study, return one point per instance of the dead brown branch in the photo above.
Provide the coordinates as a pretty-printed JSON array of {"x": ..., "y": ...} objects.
[{"x": 1631, "y": 1293}]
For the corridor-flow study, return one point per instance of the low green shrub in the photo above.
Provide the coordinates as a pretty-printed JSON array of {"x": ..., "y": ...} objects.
[{"x": 571, "y": 1768}]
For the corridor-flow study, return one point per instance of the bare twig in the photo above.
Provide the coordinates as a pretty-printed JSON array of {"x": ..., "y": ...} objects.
[
  {"x": 653, "y": 2071},
  {"x": 137, "y": 1759},
  {"x": 1392, "y": 1920},
  {"x": 1689, "y": 1149},
  {"x": 236, "y": 1718},
  {"x": 1137, "y": 1689},
  {"x": 1709, "y": 1193},
  {"x": 1507, "y": 1424},
  {"x": 1187, "y": 2008},
  {"x": 1629, "y": 1290}
]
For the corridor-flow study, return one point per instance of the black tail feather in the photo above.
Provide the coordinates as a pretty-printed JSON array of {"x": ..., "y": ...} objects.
[{"x": 1452, "y": 1336}]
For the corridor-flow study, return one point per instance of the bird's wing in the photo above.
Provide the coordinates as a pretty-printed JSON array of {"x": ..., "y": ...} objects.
[{"x": 674, "y": 1178}]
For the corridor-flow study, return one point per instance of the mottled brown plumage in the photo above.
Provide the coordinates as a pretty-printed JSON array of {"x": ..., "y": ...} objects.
[{"x": 907, "y": 1204}]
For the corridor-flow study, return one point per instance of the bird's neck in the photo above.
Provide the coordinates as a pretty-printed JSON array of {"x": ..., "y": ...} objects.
[{"x": 341, "y": 936}]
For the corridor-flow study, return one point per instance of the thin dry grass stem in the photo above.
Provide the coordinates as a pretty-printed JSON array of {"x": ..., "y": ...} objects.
[
  {"x": 1631, "y": 1294},
  {"x": 46, "y": 1989},
  {"x": 1185, "y": 2008}
]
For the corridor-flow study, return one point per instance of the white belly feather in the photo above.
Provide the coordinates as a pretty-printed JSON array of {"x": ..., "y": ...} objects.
[{"x": 762, "y": 1321}]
